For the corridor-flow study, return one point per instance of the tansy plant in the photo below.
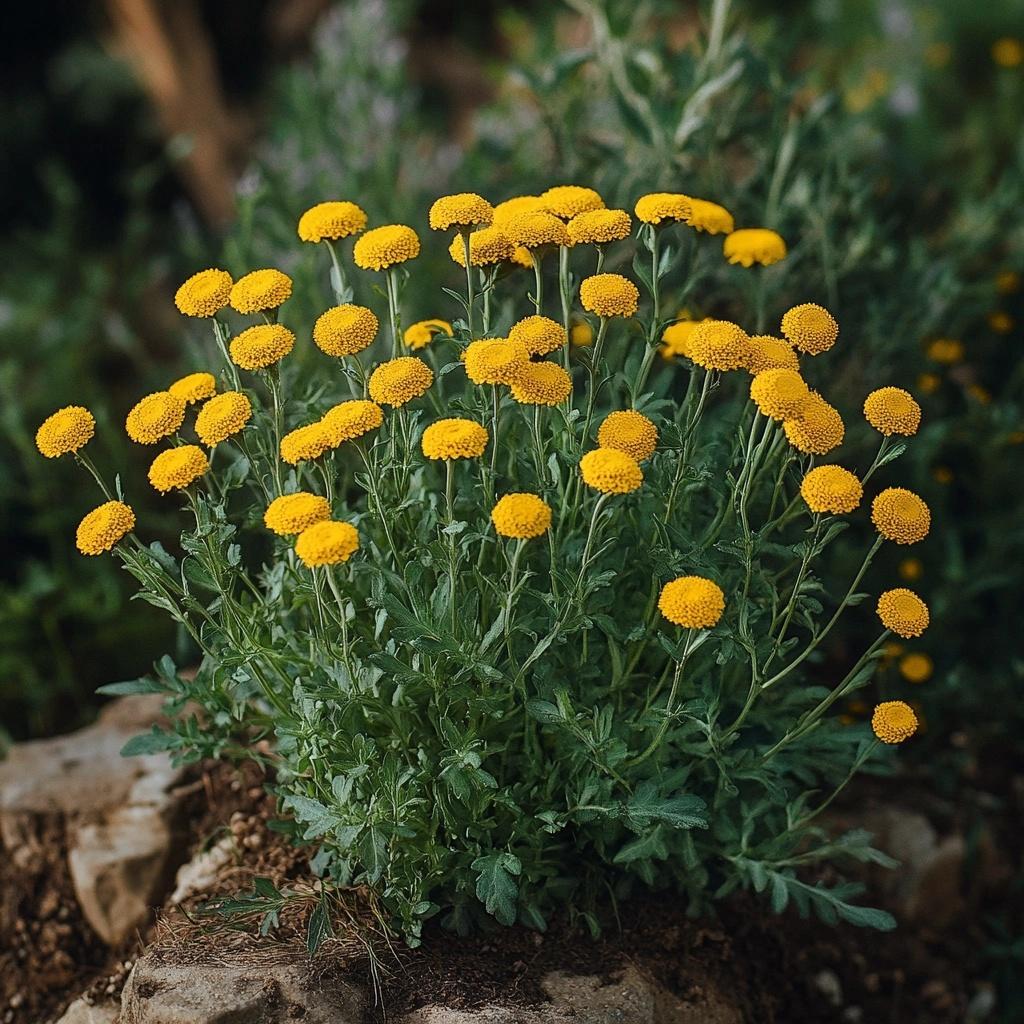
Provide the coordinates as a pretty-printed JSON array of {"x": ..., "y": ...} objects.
[{"x": 526, "y": 623}]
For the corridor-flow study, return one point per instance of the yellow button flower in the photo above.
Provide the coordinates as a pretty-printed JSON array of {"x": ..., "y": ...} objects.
[
  {"x": 659, "y": 207},
  {"x": 495, "y": 360},
  {"x": 331, "y": 220},
  {"x": 692, "y": 601},
  {"x": 260, "y": 347},
  {"x": 349, "y": 420},
  {"x": 916, "y": 667},
  {"x": 817, "y": 429},
  {"x": 399, "y": 381},
  {"x": 610, "y": 471},
  {"x": 178, "y": 467},
  {"x": 831, "y": 489},
  {"x": 260, "y": 291},
  {"x": 892, "y": 411},
  {"x": 810, "y": 328},
  {"x": 947, "y": 351},
  {"x": 535, "y": 229},
  {"x": 581, "y": 334},
  {"x": 1008, "y": 52},
  {"x": 754, "y": 245},
  {"x": 463, "y": 210},
  {"x": 205, "y": 293},
  {"x": 155, "y": 417},
  {"x": 598, "y": 227},
  {"x": 195, "y": 387},
  {"x": 540, "y": 335},
  {"x": 222, "y": 417},
  {"x": 305, "y": 443},
  {"x": 566, "y": 201},
  {"x": 65, "y": 431},
  {"x": 720, "y": 345},
  {"x": 486, "y": 247},
  {"x": 454, "y": 439},
  {"x": 327, "y": 543},
  {"x": 903, "y": 612},
  {"x": 901, "y": 516},
  {"x": 423, "y": 332},
  {"x": 910, "y": 569},
  {"x": 521, "y": 516},
  {"x": 780, "y": 394},
  {"x": 517, "y": 205},
  {"x": 293, "y": 513},
  {"x": 677, "y": 339},
  {"x": 386, "y": 247},
  {"x": 709, "y": 217},
  {"x": 894, "y": 721},
  {"x": 345, "y": 330},
  {"x": 771, "y": 353},
  {"x": 104, "y": 526},
  {"x": 541, "y": 384},
  {"x": 630, "y": 432},
  {"x": 609, "y": 295}
]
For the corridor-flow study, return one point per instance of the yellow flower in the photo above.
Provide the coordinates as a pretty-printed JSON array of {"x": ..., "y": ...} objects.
[
  {"x": 196, "y": 387},
  {"x": 770, "y": 353},
  {"x": 817, "y": 429},
  {"x": 345, "y": 330},
  {"x": 911, "y": 569},
  {"x": 599, "y": 226},
  {"x": 581, "y": 333},
  {"x": 979, "y": 394},
  {"x": 261, "y": 346},
  {"x": 677, "y": 339},
  {"x": 903, "y": 612},
  {"x": 178, "y": 467},
  {"x": 692, "y": 601},
  {"x": 663, "y": 206},
  {"x": 630, "y": 432},
  {"x": 947, "y": 351},
  {"x": 566, "y": 201},
  {"x": 332, "y": 221},
  {"x": 720, "y": 345},
  {"x": 223, "y": 416},
  {"x": 780, "y": 394},
  {"x": 495, "y": 360},
  {"x": 610, "y": 471},
  {"x": 463, "y": 210},
  {"x": 1000, "y": 322},
  {"x": 894, "y": 721},
  {"x": 929, "y": 383},
  {"x": 541, "y": 384},
  {"x": 293, "y": 513},
  {"x": 900, "y": 515},
  {"x": 535, "y": 229},
  {"x": 104, "y": 526},
  {"x": 521, "y": 516},
  {"x": 942, "y": 475},
  {"x": 916, "y": 667},
  {"x": 205, "y": 293},
  {"x": 327, "y": 543},
  {"x": 1008, "y": 52},
  {"x": 305, "y": 443},
  {"x": 1007, "y": 282},
  {"x": 156, "y": 416},
  {"x": 454, "y": 439},
  {"x": 609, "y": 295},
  {"x": 831, "y": 489},
  {"x": 386, "y": 247},
  {"x": 538, "y": 334},
  {"x": 423, "y": 332},
  {"x": 515, "y": 206},
  {"x": 754, "y": 245},
  {"x": 486, "y": 246},
  {"x": 709, "y": 217},
  {"x": 892, "y": 411},
  {"x": 65, "y": 431},
  {"x": 260, "y": 290},
  {"x": 811, "y": 328},
  {"x": 522, "y": 257},
  {"x": 400, "y": 380},
  {"x": 349, "y": 420}
]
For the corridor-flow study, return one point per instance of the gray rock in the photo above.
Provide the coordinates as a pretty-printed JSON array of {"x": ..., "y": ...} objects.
[{"x": 81, "y": 1012}]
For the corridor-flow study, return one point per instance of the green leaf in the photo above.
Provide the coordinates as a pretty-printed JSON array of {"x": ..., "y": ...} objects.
[
  {"x": 156, "y": 742},
  {"x": 319, "y": 927},
  {"x": 496, "y": 887}
]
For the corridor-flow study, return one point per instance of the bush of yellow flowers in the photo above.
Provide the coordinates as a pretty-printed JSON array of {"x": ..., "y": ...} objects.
[{"x": 512, "y": 653}]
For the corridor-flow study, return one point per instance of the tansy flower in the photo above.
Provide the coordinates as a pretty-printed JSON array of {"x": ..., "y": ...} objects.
[
  {"x": 156, "y": 416},
  {"x": 178, "y": 467},
  {"x": 293, "y": 513},
  {"x": 903, "y": 612},
  {"x": 610, "y": 471},
  {"x": 946, "y": 351},
  {"x": 541, "y": 384},
  {"x": 463, "y": 210},
  {"x": 566, "y": 201},
  {"x": 400, "y": 380},
  {"x": 692, "y": 602},
  {"x": 495, "y": 360},
  {"x": 65, "y": 431},
  {"x": 1000, "y": 322},
  {"x": 305, "y": 443},
  {"x": 261, "y": 346},
  {"x": 916, "y": 667},
  {"x": 349, "y": 420},
  {"x": 327, "y": 543},
  {"x": 386, "y": 247},
  {"x": 929, "y": 383},
  {"x": 332, "y": 220},
  {"x": 581, "y": 333},
  {"x": 979, "y": 394},
  {"x": 196, "y": 387},
  {"x": 538, "y": 334},
  {"x": 222, "y": 417},
  {"x": 205, "y": 293},
  {"x": 423, "y": 332},
  {"x": 521, "y": 516},
  {"x": 709, "y": 217},
  {"x": 609, "y": 295},
  {"x": 910, "y": 569},
  {"x": 942, "y": 475},
  {"x": 658, "y": 207},
  {"x": 515, "y": 206},
  {"x": 894, "y": 721},
  {"x": 677, "y": 339},
  {"x": 817, "y": 428},
  {"x": 900, "y": 515},
  {"x": 1007, "y": 282},
  {"x": 260, "y": 290},
  {"x": 770, "y": 353},
  {"x": 810, "y": 328},
  {"x": 630, "y": 432},
  {"x": 598, "y": 227},
  {"x": 533, "y": 230},
  {"x": 486, "y": 246},
  {"x": 720, "y": 345},
  {"x": 892, "y": 411},
  {"x": 104, "y": 526},
  {"x": 1008, "y": 52},
  {"x": 454, "y": 439},
  {"x": 522, "y": 257},
  {"x": 345, "y": 330},
  {"x": 831, "y": 489},
  {"x": 754, "y": 245},
  {"x": 780, "y": 394}
]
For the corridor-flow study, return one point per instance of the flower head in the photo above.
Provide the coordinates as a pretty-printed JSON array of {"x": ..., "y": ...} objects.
[
  {"x": 581, "y": 334},
  {"x": 900, "y": 515},
  {"x": 541, "y": 384},
  {"x": 692, "y": 601},
  {"x": 903, "y": 612},
  {"x": 630, "y": 432},
  {"x": 533, "y": 229},
  {"x": 566, "y": 201},
  {"x": 293, "y": 513},
  {"x": 916, "y": 667},
  {"x": 894, "y": 721},
  {"x": 539, "y": 334},
  {"x": 1008, "y": 52},
  {"x": 817, "y": 428},
  {"x": 423, "y": 332},
  {"x": 947, "y": 351},
  {"x": 720, "y": 345},
  {"x": 609, "y": 295},
  {"x": 260, "y": 290},
  {"x": 486, "y": 246},
  {"x": 610, "y": 471},
  {"x": 780, "y": 394},
  {"x": 399, "y": 381},
  {"x": 222, "y": 417},
  {"x": 770, "y": 353},
  {"x": 331, "y": 221},
  {"x": 754, "y": 245},
  {"x": 892, "y": 411},
  {"x": 463, "y": 210},
  {"x": 154, "y": 417},
  {"x": 495, "y": 360},
  {"x": 261, "y": 346},
  {"x": 517, "y": 205},
  {"x": 454, "y": 439},
  {"x": 196, "y": 387},
  {"x": 349, "y": 420},
  {"x": 104, "y": 526},
  {"x": 306, "y": 443},
  {"x": 657, "y": 207},
  {"x": 677, "y": 339},
  {"x": 929, "y": 383},
  {"x": 327, "y": 543},
  {"x": 810, "y": 328},
  {"x": 205, "y": 293},
  {"x": 345, "y": 330},
  {"x": 599, "y": 226},
  {"x": 386, "y": 247},
  {"x": 831, "y": 489},
  {"x": 65, "y": 431},
  {"x": 709, "y": 217},
  {"x": 178, "y": 467},
  {"x": 521, "y": 516}
]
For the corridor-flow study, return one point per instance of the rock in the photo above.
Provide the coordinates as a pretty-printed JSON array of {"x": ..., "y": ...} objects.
[
  {"x": 81, "y": 1012},
  {"x": 202, "y": 870}
]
